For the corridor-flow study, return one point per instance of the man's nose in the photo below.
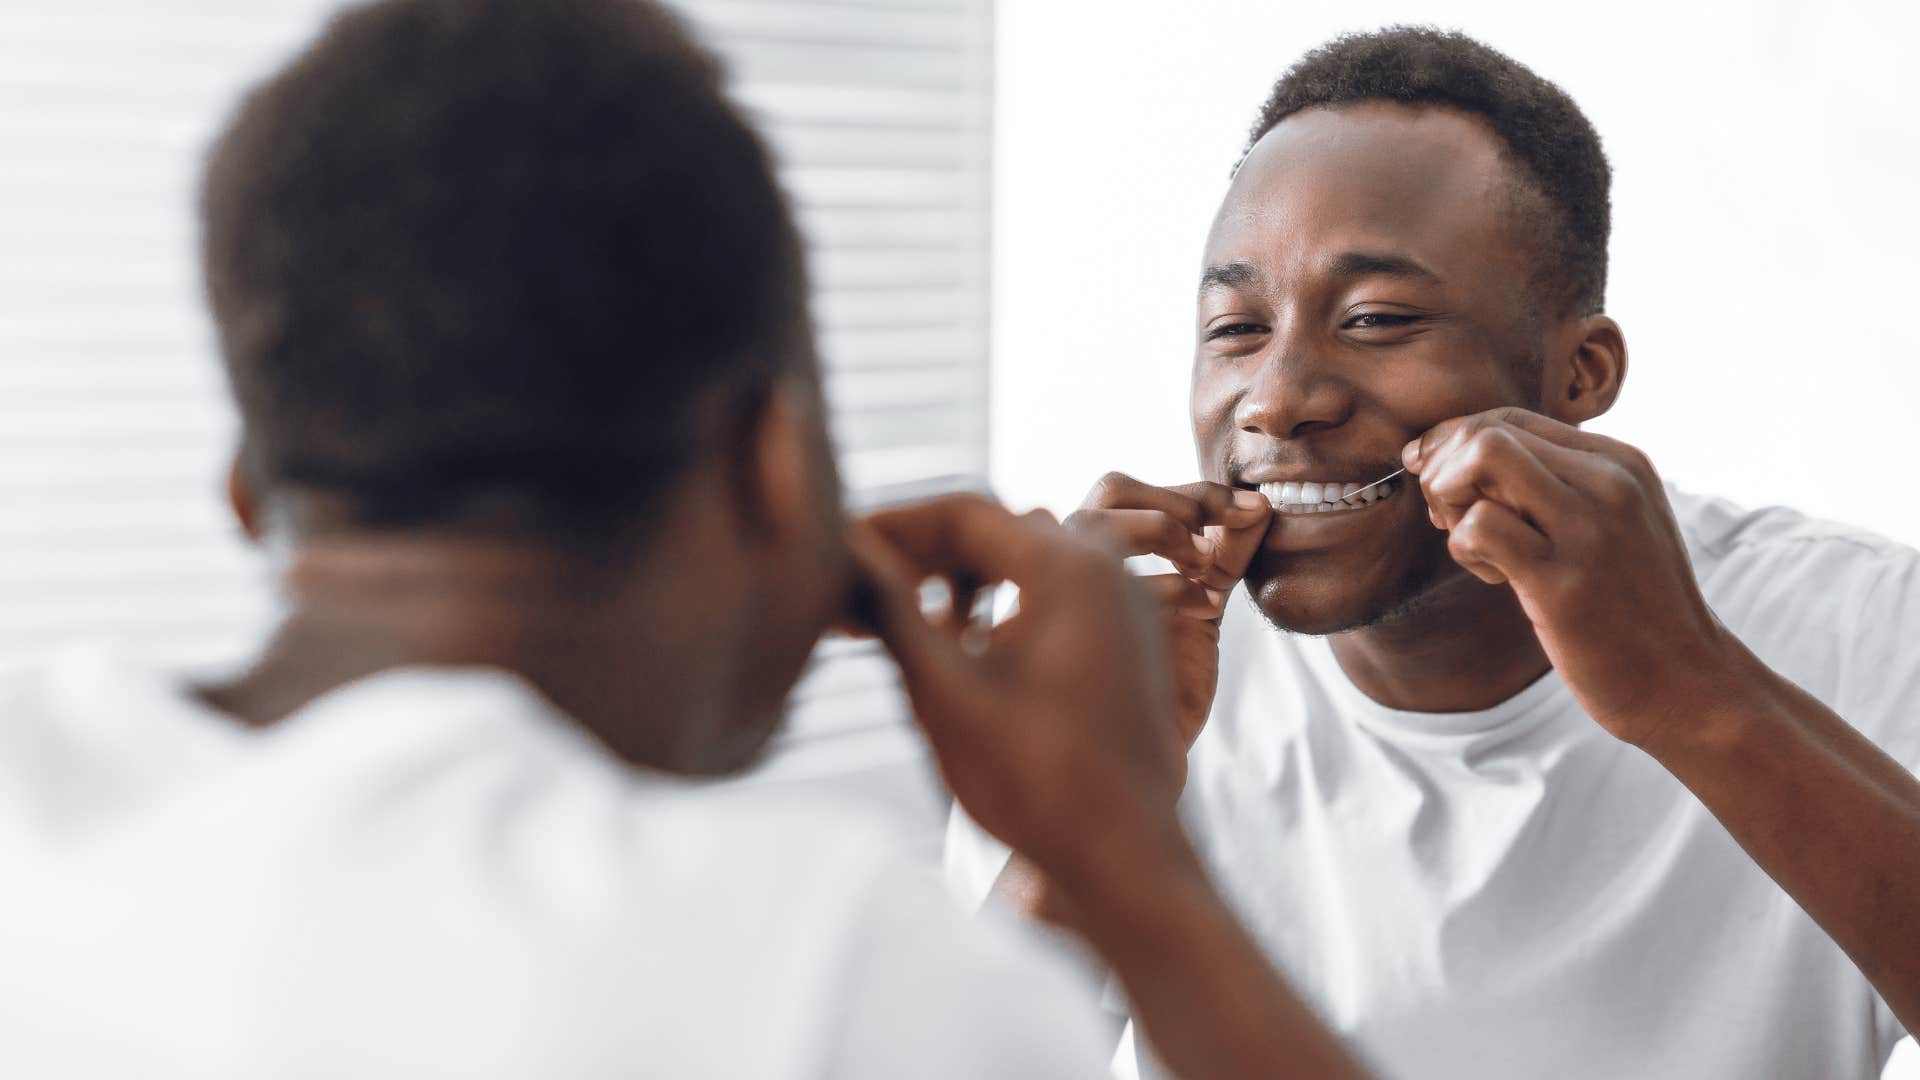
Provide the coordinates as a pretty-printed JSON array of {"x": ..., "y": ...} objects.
[{"x": 1294, "y": 392}]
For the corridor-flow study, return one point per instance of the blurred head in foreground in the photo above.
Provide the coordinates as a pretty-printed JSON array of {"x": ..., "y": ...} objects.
[{"x": 515, "y": 316}]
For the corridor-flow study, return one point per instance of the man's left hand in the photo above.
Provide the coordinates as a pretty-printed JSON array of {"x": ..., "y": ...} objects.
[{"x": 1580, "y": 527}]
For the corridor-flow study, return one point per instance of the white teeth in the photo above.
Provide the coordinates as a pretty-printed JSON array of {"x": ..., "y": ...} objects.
[{"x": 1295, "y": 497}]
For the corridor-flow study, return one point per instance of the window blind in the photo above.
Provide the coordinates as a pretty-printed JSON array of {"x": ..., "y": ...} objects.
[{"x": 115, "y": 426}]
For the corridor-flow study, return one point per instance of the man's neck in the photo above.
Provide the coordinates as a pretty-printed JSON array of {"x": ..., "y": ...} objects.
[
  {"x": 366, "y": 605},
  {"x": 1465, "y": 647}
]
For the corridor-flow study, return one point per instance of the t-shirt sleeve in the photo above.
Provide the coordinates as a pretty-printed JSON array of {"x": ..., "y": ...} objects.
[
  {"x": 1880, "y": 681},
  {"x": 935, "y": 994},
  {"x": 1876, "y": 681}
]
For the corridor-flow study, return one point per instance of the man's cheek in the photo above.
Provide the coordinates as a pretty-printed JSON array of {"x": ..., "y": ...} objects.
[{"x": 1212, "y": 416}]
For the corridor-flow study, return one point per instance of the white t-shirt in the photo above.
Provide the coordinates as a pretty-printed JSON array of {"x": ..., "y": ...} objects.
[
  {"x": 431, "y": 873},
  {"x": 1514, "y": 893}
]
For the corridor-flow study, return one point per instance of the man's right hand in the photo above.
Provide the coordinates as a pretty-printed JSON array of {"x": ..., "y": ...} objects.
[
  {"x": 1053, "y": 729},
  {"x": 1055, "y": 733},
  {"x": 1209, "y": 532}
]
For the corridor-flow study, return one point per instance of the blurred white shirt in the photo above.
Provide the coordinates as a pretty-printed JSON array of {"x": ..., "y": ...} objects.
[
  {"x": 432, "y": 873},
  {"x": 1514, "y": 893}
]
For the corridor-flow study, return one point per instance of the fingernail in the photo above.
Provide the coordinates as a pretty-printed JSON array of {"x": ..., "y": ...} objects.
[
  {"x": 1410, "y": 455},
  {"x": 1250, "y": 500},
  {"x": 1206, "y": 546}
]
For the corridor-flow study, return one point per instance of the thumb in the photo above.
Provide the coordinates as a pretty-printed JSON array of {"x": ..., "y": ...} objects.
[{"x": 931, "y": 662}]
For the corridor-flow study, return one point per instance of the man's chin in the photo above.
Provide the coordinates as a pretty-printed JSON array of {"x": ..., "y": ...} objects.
[
  {"x": 1299, "y": 611},
  {"x": 1322, "y": 603}
]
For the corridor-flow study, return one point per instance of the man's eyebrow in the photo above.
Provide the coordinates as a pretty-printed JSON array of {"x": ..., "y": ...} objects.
[
  {"x": 1368, "y": 264},
  {"x": 1231, "y": 275}
]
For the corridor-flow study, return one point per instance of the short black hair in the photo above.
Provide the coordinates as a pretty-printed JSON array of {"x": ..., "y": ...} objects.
[
  {"x": 1546, "y": 135},
  {"x": 496, "y": 253}
]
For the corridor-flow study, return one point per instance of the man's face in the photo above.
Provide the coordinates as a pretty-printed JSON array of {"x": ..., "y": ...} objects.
[{"x": 1365, "y": 279}]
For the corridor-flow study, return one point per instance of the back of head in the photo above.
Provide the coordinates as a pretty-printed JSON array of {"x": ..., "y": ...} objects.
[
  {"x": 1548, "y": 139},
  {"x": 469, "y": 256}
]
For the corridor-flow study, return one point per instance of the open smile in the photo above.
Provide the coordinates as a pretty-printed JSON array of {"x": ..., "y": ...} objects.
[{"x": 1328, "y": 497}]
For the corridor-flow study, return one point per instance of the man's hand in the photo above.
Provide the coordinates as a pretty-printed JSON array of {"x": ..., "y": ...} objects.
[
  {"x": 1056, "y": 733},
  {"x": 1209, "y": 532},
  {"x": 1579, "y": 526},
  {"x": 1054, "y": 729}
]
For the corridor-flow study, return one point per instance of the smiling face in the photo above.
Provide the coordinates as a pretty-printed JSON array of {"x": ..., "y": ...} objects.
[{"x": 1368, "y": 276}]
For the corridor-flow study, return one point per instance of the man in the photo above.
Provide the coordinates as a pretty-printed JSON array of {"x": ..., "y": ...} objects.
[
  {"x": 515, "y": 318},
  {"x": 1548, "y": 776}
]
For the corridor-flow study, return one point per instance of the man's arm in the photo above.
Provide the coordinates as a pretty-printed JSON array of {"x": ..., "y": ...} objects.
[
  {"x": 1580, "y": 527},
  {"x": 1056, "y": 734},
  {"x": 1827, "y": 814}
]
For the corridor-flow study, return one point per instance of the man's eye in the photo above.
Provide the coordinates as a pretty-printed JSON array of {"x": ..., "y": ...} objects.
[
  {"x": 1379, "y": 319},
  {"x": 1238, "y": 329}
]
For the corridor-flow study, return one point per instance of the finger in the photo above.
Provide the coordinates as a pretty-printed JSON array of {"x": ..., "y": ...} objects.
[
  {"x": 968, "y": 535},
  {"x": 1194, "y": 505},
  {"x": 1416, "y": 454},
  {"x": 1229, "y": 507},
  {"x": 930, "y": 661},
  {"x": 1181, "y": 595},
  {"x": 1504, "y": 463},
  {"x": 1546, "y": 427},
  {"x": 1233, "y": 552},
  {"x": 1495, "y": 545},
  {"x": 1145, "y": 532}
]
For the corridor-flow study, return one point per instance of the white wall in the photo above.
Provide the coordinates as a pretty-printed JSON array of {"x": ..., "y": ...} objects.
[{"x": 1766, "y": 174}]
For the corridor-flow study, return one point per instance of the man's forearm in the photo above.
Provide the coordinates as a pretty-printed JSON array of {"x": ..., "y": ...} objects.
[
  {"x": 1202, "y": 992},
  {"x": 1828, "y": 815}
]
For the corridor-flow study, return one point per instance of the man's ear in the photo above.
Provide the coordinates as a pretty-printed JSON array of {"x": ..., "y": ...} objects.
[
  {"x": 242, "y": 499},
  {"x": 783, "y": 473},
  {"x": 1591, "y": 369}
]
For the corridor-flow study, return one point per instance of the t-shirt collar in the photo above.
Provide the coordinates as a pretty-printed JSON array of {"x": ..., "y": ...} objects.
[{"x": 1544, "y": 697}]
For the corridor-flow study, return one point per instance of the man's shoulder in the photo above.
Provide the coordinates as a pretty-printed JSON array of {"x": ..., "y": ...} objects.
[
  {"x": 1718, "y": 529},
  {"x": 1832, "y": 606},
  {"x": 1776, "y": 564}
]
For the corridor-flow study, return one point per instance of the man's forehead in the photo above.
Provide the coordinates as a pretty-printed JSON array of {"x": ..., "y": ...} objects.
[{"x": 1366, "y": 177}]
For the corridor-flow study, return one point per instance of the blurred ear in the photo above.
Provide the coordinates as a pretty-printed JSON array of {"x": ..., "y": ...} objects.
[
  {"x": 784, "y": 478},
  {"x": 1590, "y": 369},
  {"x": 243, "y": 501}
]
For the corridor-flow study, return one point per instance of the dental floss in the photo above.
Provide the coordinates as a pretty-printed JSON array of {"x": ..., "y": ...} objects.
[{"x": 1375, "y": 484}]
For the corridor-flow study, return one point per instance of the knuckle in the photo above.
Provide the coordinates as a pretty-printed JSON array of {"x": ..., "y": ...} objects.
[
  {"x": 974, "y": 503},
  {"x": 1215, "y": 498},
  {"x": 1462, "y": 549},
  {"x": 1486, "y": 448},
  {"x": 1618, "y": 488},
  {"x": 1110, "y": 489},
  {"x": 1638, "y": 463},
  {"x": 1468, "y": 535},
  {"x": 1470, "y": 427},
  {"x": 1041, "y": 515}
]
